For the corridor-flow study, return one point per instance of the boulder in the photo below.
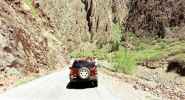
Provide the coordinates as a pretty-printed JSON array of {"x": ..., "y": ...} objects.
[{"x": 177, "y": 64}]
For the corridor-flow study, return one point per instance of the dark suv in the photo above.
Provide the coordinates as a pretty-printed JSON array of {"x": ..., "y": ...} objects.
[{"x": 84, "y": 70}]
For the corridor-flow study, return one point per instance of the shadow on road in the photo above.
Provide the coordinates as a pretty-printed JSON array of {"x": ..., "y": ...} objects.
[{"x": 80, "y": 85}]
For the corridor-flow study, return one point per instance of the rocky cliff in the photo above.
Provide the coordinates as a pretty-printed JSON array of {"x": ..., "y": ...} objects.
[
  {"x": 81, "y": 21},
  {"x": 26, "y": 40},
  {"x": 156, "y": 18},
  {"x": 92, "y": 20}
]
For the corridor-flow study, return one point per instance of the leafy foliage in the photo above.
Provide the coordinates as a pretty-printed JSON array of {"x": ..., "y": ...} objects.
[
  {"x": 123, "y": 62},
  {"x": 116, "y": 37},
  {"x": 29, "y": 3}
]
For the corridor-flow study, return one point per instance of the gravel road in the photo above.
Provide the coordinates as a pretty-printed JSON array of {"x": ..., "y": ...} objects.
[{"x": 56, "y": 86}]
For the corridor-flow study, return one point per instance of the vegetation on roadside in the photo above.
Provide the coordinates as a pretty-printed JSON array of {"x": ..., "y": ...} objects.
[
  {"x": 29, "y": 3},
  {"x": 116, "y": 37},
  {"x": 126, "y": 59}
]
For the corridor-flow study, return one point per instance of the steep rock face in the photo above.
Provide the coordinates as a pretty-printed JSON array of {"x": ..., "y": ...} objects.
[
  {"x": 99, "y": 17},
  {"x": 69, "y": 17},
  {"x": 84, "y": 20},
  {"x": 154, "y": 17},
  {"x": 119, "y": 10},
  {"x": 23, "y": 40}
]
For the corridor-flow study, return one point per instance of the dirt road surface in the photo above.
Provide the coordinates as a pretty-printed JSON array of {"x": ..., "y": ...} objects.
[{"x": 56, "y": 86}]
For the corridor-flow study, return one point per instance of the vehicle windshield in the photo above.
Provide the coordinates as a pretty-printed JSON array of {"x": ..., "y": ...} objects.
[{"x": 83, "y": 63}]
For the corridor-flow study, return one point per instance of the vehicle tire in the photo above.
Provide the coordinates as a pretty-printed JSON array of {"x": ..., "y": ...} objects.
[
  {"x": 95, "y": 83},
  {"x": 84, "y": 73}
]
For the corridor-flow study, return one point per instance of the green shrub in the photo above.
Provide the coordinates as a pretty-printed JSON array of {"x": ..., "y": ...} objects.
[
  {"x": 124, "y": 62},
  {"x": 29, "y": 3},
  {"x": 116, "y": 37}
]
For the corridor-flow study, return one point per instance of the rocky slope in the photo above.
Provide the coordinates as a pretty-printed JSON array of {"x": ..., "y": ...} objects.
[{"x": 27, "y": 43}]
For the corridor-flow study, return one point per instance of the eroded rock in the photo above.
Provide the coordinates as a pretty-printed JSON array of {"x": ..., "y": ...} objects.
[
  {"x": 151, "y": 18},
  {"x": 23, "y": 43},
  {"x": 86, "y": 20}
]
